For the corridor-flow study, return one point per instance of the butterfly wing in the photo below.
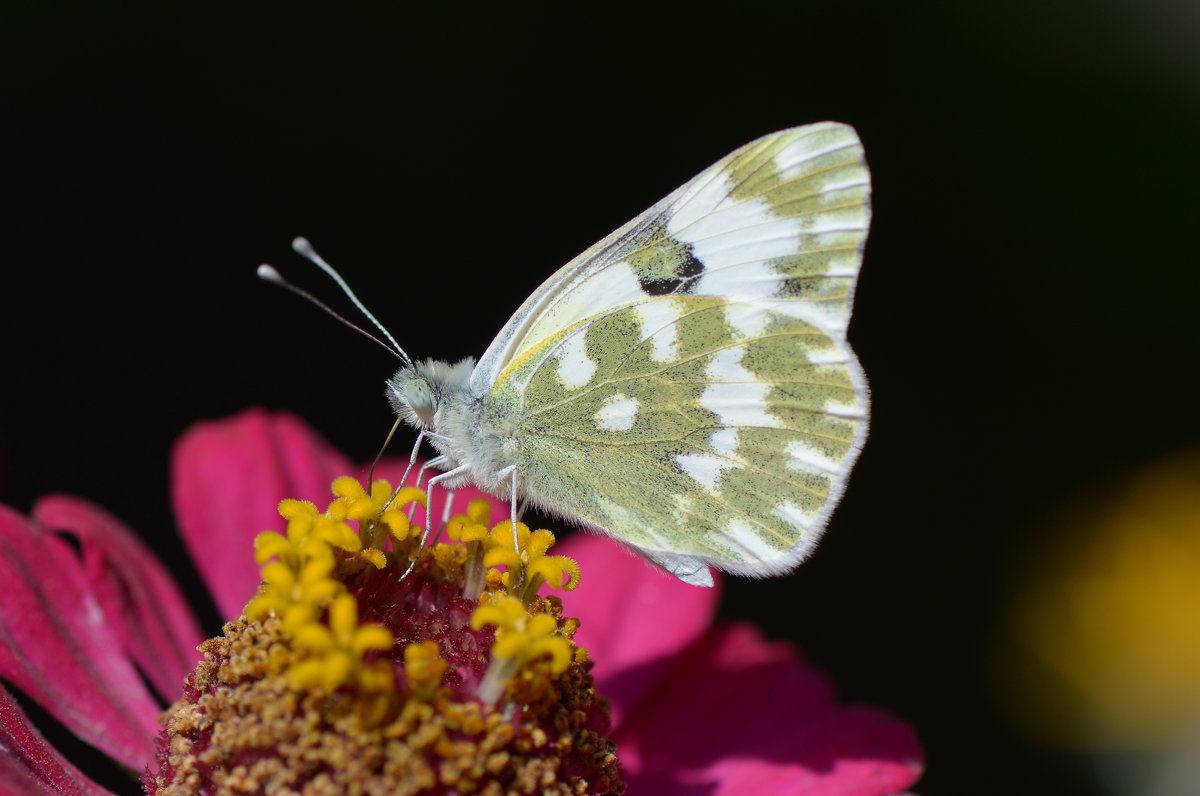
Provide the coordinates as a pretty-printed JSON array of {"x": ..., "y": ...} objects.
[{"x": 685, "y": 385}]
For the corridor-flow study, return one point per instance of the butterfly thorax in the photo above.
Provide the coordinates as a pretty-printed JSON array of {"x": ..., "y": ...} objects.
[{"x": 437, "y": 396}]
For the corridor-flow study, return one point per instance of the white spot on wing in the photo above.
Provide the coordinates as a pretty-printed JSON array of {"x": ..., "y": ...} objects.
[
  {"x": 825, "y": 356},
  {"x": 724, "y": 442},
  {"x": 843, "y": 410},
  {"x": 726, "y": 365},
  {"x": 830, "y": 319},
  {"x": 749, "y": 281},
  {"x": 741, "y": 533},
  {"x": 750, "y": 320},
  {"x": 805, "y": 459},
  {"x": 575, "y": 367},
  {"x": 617, "y": 413},
  {"x": 792, "y": 515},
  {"x": 743, "y": 233},
  {"x": 705, "y": 470},
  {"x": 658, "y": 326},
  {"x": 842, "y": 265},
  {"x": 739, "y": 404},
  {"x": 734, "y": 396}
]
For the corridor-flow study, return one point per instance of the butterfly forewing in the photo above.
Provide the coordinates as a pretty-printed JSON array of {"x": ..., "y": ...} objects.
[
  {"x": 732, "y": 214},
  {"x": 685, "y": 385}
]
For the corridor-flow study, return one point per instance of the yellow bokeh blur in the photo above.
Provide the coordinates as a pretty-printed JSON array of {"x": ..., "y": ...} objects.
[{"x": 1100, "y": 648}]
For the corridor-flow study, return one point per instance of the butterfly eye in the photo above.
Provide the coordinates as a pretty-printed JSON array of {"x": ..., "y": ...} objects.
[{"x": 419, "y": 397}]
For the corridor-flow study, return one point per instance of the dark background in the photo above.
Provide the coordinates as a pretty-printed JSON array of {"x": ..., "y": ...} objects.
[{"x": 1026, "y": 314}]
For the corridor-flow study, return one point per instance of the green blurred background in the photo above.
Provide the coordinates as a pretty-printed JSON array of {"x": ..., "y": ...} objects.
[{"x": 1026, "y": 314}]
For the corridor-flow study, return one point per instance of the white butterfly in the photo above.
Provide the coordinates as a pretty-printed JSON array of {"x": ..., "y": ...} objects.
[{"x": 684, "y": 385}]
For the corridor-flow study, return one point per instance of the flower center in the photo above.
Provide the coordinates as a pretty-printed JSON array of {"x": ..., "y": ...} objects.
[{"x": 340, "y": 677}]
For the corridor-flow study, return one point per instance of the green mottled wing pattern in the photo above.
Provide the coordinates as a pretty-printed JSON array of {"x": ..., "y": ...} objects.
[{"x": 686, "y": 385}]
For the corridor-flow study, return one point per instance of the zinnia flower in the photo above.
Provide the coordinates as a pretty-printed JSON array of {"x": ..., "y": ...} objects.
[{"x": 90, "y": 621}]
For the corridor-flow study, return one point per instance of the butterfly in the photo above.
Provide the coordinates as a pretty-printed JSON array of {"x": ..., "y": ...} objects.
[{"x": 684, "y": 385}]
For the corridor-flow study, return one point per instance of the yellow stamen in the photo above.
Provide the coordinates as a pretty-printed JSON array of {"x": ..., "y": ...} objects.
[
  {"x": 302, "y": 587},
  {"x": 258, "y": 713},
  {"x": 487, "y": 550},
  {"x": 424, "y": 667},
  {"x": 302, "y": 664},
  {"x": 521, "y": 639},
  {"x": 316, "y": 612}
]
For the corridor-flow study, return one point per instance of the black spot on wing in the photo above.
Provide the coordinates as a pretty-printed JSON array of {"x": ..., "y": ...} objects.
[
  {"x": 800, "y": 286},
  {"x": 688, "y": 267}
]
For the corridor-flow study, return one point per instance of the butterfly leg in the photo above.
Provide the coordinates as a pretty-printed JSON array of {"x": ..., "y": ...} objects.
[
  {"x": 430, "y": 464},
  {"x": 412, "y": 457},
  {"x": 511, "y": 472},
  {"x": 447, "y": 505},
  {"x": 428, "y": 505},
  {"x": 412, "y": 460}
]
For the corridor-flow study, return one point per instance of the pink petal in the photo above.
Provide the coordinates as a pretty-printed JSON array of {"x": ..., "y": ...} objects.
[
  {"x": 740, "y": 716},
  {"x": 29, "y": 765},
  {"x": 144, "y": 606},
  {"x": 56, "y": 645},
  {"x": 635, "y": 619},
  {"x": 228, "y": 477}
]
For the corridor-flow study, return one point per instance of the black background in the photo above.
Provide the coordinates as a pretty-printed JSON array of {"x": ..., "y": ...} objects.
[{"x": 1026, "y": 314}]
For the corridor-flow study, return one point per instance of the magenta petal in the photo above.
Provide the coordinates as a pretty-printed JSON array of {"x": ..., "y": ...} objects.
[
  {"x": 29, "y": 765},
  {"x": 634, "y": 618},
  {"x": 144, "y": 606},
  {"x": 56, "y": 645},
  {"x": 740, "y": 716},
  {"x": 228, "y": 477}
]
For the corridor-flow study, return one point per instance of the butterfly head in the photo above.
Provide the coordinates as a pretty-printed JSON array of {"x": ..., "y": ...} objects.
[{"x": 417, "y": 392}]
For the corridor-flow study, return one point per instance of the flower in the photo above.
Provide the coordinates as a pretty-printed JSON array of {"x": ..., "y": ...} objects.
[{"x": 696, "y": 707}]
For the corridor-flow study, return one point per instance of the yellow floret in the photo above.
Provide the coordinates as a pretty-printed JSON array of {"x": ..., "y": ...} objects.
[
  {"x": 521, "y": 639},
  {"x": 300, "y": 586},
  {"x": 424, "y": 666}
]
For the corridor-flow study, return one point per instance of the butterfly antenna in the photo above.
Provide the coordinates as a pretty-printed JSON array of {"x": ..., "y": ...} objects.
[
  {"x": 268, "y": 274},
  {"x": 302, "y": 247}
]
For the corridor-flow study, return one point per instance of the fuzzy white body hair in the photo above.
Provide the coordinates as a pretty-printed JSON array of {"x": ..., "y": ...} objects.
[
  {"x": 465, "y": 436},
  {"x": 454, "y": 413}
]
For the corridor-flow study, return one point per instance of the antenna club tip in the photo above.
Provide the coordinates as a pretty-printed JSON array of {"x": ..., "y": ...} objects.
[
  {"x": 267, "y": 273},
  {"x": 301, "y": 246}
]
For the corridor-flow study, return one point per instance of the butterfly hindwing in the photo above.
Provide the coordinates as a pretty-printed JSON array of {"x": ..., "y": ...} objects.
[
  {"x": 685, "y": 385},
  {"x": 715, "y": 445}
]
